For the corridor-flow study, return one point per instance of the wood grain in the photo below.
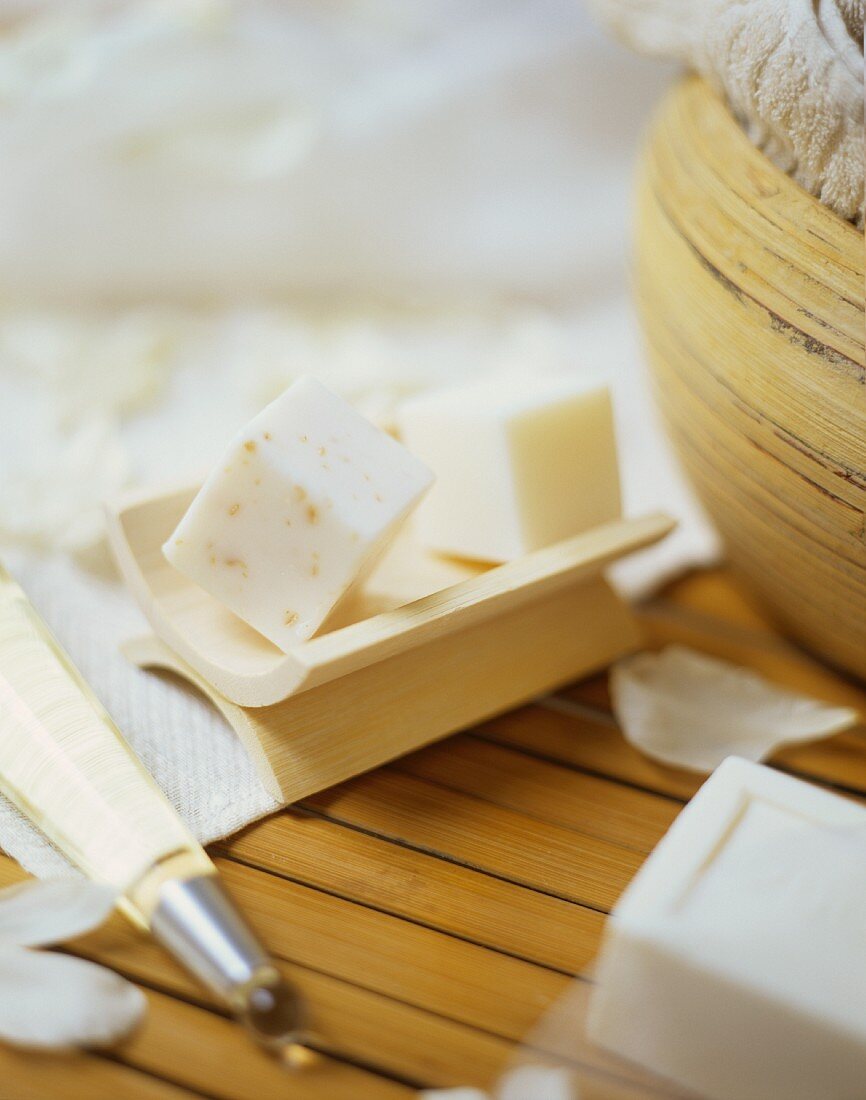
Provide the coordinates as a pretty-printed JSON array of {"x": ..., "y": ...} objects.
[
  {"x": 510, "y": 844},
  {"x": 77, "y": 1077},
  {"x": 751, "y": 301},
  {"x": 432, "y": 911},
  {"x": 422, "y": 888},
  {"x": 559, "y": 796}
]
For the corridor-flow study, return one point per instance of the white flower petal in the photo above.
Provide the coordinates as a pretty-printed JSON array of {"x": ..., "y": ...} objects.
[
  {"x": 690, "y": 710},
  {"x": 523, "y": 1083},
  {"x": 50, "y": 911},
  {"x": 537, "y": 1083},
  {"x": 54, "y": 1001},
  {"x": 463, "y": 1093},
  {"x": 34, "y": 913}
]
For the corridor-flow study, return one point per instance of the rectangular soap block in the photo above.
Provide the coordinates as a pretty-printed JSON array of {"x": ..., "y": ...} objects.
[
  {"x": 521, "y": 462},
  {"x": 735, "y": 963},
  {"x": 300, "y": 505}
]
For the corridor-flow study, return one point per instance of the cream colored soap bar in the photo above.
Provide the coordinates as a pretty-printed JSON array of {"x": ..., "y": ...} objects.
[
  {"x": 735, "y": 963},
  {"x": 520, "y": 462},
  {"x": 301, "y": 503}
]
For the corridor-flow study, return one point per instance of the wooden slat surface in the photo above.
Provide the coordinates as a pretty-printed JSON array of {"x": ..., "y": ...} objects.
[{"x": 433, "y": 910}]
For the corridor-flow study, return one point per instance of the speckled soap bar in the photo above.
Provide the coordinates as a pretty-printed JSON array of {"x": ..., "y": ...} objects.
[{"x": 302, "y": 501}]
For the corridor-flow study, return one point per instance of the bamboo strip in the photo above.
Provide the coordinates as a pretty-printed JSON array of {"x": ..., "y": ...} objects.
[
  {"x": 77, "y": 1077},
  {"x": 205, "y": 1052},
  {"x": 495, "y": 993},
  {"x": 589, "y": 804},
  {"x": 360, "y": 1024},
  {"x": 587, "y": 739},
  {"x": 514, "y": 846},
  {"x": 420, "y": 966},
  {"x": 423, "y": 888}
]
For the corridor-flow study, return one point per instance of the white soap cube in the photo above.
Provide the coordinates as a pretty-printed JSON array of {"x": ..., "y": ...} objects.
[
  {"x": 300, "y": 505},
  {"x": 735, "y": 963},
  {"x": 520, "y": 462}
]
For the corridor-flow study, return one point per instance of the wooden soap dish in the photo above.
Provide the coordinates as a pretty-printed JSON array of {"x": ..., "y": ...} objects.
[{"x": 428, "y": 647}]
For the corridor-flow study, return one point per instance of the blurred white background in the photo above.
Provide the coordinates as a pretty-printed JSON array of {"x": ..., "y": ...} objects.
[{"x": 201, "y": 199}]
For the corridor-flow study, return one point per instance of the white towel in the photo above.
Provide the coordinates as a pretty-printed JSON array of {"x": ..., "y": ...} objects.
[{"x": 792, "y": 70}]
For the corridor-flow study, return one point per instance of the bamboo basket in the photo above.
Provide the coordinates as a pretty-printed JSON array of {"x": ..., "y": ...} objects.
[{"x": 750, "y": 294}]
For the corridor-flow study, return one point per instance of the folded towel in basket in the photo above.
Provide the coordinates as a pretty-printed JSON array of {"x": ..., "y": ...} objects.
[{"x": 792, "y": 71}]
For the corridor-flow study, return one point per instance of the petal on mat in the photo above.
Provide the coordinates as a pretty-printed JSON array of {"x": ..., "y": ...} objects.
[
  {"x": 690, "y": 710},
  {"x": 523, "y": 1083},
  {"x": 537, "y": 1083},
  {"x": 52, "y": 1002},
  {"x": 453, "y": 1094},
  {"x": 34, "y": 913}
]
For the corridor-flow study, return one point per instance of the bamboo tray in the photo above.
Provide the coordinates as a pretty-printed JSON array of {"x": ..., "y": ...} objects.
[{"x": 429, "y": 646}]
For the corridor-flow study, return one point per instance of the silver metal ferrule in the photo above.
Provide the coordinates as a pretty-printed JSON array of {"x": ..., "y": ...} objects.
[
  {"x": 196, "y": 920},
  {"x": 198, "y": 923}
]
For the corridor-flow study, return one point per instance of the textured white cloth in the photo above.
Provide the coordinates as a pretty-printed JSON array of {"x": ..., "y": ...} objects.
[
  {"x": 194, "y": 756},
  {"x": 452, "y": 157},
  {"x": 792, "y": 70}
]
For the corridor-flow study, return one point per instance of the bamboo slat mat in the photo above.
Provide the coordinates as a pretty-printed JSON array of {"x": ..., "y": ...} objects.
[{"x": 433, "y": 909}]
